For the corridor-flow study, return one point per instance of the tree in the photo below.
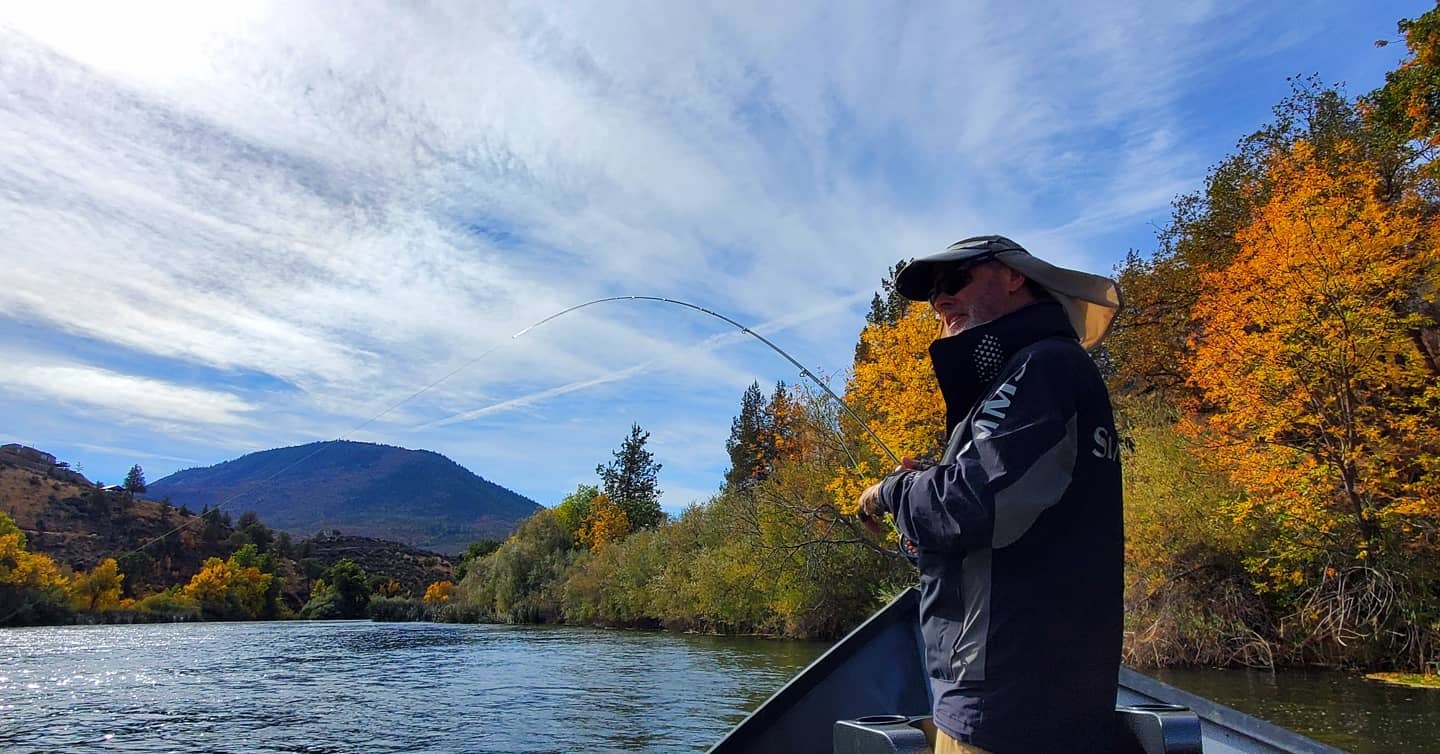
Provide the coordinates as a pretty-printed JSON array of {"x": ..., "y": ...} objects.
[
  {"x": 1409, "y": 103},
  {"x": 894, "y": 386},
  {"x": 139, "y": 566},
  {"x": 520, "y": 581},
  {"x": 630, "y": 480},
  {"x": 249, "y": 530},
  {"x": 572, "y": 511},
  {"x": 31, "y": 585},
  {"x": 349, "y": 589},
  {"x": 210, "y": 587},
  {"x": 439, "y": 592},
  {"x": 239, "y": 587},
  {"x": 606, "y": 523},
  {"x": 474, "y": 552},
  {"x": 887, "y": 309},
  {"x": 98, "y": 589},
  {"x": 135, "y": 480},
  {"x": 750, "y": 455},
  {"x": 1309, "y": 366},
  {"x": 1152, "y": 331}
]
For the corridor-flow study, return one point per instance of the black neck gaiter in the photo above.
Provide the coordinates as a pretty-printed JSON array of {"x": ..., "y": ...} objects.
[{"x": 965, "y": 364}]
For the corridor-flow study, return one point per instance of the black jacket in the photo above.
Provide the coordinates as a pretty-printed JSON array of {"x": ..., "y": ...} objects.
[{"x": 1019, "y": 539}]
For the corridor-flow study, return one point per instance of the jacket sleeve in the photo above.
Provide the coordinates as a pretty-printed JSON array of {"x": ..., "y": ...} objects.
[{"x": 1019, "y": 462}]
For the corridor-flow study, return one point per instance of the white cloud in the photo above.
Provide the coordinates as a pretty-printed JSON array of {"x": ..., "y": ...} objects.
[
  {"x": 126, "y": 397},
  {"x": 309, "y": 212}
]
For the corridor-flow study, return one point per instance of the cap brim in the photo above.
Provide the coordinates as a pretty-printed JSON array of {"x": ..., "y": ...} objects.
[{"x": 915, "y": 280}]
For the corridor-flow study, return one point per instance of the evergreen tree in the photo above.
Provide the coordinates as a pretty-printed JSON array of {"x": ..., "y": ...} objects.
[
  {"x": 630, "y": 481},
  {"x": 135, "y": 480},
  {"x": 749, "y": 461},
  {"x": 888, "y": 310}
]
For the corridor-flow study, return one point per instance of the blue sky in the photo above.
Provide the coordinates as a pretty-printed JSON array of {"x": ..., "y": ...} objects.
[{"x": 231, "y": 227}]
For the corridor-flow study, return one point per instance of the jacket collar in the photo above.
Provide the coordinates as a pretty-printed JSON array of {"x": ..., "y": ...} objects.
[{"x": 965, "y": 364}]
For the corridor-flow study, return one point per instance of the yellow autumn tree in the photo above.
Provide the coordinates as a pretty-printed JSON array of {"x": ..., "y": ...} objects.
[
  {"x": 892, "y": 385},
  {"x": 230, "y": 589},
  {"x": 211, "y": 585},
  {"x": 98, "y": 589},
  {"x": 895, "y": 385},
  {"x": 439, "y": 592},
  {"x": 30, "y": 583},
  {"x": 248, "y": 586},
  {"x": 606, "y": 522},
  {"x": 1315, "y": 389}
]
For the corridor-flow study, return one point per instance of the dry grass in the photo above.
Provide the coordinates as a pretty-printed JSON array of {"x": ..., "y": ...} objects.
[{"x": 26, "y": 494}]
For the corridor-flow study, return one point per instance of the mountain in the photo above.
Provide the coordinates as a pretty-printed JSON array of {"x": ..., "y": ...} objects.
[
  {"x": 417, "y": 497},
  {"x": 65, "y": 516}
]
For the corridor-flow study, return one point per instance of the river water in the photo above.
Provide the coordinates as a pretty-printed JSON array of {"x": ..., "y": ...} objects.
[{"x": 341, "y": 687}]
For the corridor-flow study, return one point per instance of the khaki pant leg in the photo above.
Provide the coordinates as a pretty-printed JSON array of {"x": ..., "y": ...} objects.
[{"x": 944, "y": 744}]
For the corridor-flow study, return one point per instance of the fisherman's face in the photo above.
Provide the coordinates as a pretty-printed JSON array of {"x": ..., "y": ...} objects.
[{"x": 967, "y": 297}]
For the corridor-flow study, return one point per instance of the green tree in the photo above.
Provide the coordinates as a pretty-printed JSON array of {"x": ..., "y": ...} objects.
[
  {"x": 135, "y": 480},
  {"x": 520, "y": 582},
  {"x": 630, "y": 480},
  {"x": 350, "y": 586},
  {"x": 575, "y": 508},
  {"x": 750, "y": 457},
  {"x": 887, "y": 309},
  {"x": 474, "y": 552},
  {"x": 249, "y": 530},
  {"x": 283, "y": 546},
  {"x": 139, "y": 566}
]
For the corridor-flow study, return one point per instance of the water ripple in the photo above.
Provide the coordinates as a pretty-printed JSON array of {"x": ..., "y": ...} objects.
[{"x": 348, "y": 687}]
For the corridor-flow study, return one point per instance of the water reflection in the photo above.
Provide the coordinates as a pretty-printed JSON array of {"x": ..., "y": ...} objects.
[
  {"x": 370, "y": 687},
  {"x": 1340, "y": 709}
]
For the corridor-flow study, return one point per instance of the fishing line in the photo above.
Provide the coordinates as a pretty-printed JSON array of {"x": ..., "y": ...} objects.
[
  {"x": 742, "y": 328},
  {"x": 471, "y": 362}
]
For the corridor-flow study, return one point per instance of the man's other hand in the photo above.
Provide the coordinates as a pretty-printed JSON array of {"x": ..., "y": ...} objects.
[{"x": 870, "y": 509}]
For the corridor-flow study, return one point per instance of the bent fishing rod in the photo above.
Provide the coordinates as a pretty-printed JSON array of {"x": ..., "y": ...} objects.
[
  {"x": 742, "y": 328},
  {"x": 746, "y": 330}
]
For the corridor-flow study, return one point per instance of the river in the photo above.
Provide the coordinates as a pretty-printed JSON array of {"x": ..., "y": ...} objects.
[{"x": 342, "y": 687}]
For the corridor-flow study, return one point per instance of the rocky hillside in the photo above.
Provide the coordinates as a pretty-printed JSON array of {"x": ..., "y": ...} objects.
[
  {"x": 77, "y": 524},
  {"x": 159, "y": 545},
  {"x": 414, "y": 569},
  {"x": 413, "y": 496}
]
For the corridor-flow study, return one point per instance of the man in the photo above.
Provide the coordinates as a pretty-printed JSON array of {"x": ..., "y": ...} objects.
[{"x": 1017, "y": 531}]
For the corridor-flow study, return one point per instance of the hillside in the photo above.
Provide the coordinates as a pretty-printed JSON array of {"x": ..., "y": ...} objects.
[
  {"x": 77, "y": 524},
  {"x": 413, "y": 568},
  {"x": 63, "y": 515},
  {"x": 417, "y": 497}
]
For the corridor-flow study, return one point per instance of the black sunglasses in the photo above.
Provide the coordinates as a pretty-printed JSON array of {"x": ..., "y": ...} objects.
[{"x": 952, "y": 279}]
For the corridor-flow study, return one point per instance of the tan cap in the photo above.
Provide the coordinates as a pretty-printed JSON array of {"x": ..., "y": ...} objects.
[{"x": 1091, "y": 301}]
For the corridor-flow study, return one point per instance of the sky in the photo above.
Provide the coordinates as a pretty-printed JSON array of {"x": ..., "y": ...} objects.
[{"x": 227, "y": 227}]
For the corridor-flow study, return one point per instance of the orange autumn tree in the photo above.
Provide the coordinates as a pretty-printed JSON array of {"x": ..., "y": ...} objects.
[
  {"x": 605, "y": 523},
  {"x": 1311, "y": 374},
  {"x": 439, "y": 592}
]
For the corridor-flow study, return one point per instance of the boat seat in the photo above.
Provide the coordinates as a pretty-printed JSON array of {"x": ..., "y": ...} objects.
[{"x": 1141, "y": 729}]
